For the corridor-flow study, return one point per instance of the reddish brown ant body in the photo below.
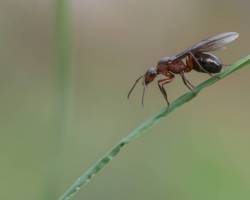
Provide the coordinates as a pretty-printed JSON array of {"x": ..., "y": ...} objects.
[{"x": 195, "y": 58}]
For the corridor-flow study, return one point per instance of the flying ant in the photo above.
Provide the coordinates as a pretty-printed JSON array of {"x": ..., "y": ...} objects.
[{"x": 195, "y": 58}]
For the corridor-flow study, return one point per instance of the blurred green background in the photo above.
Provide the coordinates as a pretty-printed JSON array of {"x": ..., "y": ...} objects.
[{"x": 64, "y": 80}]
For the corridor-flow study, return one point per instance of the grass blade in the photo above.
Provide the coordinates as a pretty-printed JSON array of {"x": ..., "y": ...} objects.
[
  {"x": 96, "y": 167},
  {"x": 62, "y": 93}
]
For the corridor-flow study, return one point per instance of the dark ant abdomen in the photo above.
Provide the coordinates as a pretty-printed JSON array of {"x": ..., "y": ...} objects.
[{"x": 209, "y": 62}]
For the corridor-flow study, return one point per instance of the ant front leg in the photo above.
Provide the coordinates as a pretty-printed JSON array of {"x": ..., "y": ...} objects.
[
  {"x": 161, "y": 84},
  {"x": 163, "y": 91}
]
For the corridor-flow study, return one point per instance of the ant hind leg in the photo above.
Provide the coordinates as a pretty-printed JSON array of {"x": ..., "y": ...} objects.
[{"x": 199, "y": 65}]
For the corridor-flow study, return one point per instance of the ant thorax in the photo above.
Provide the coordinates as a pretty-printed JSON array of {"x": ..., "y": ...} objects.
[{"x": 175, "y": 67}]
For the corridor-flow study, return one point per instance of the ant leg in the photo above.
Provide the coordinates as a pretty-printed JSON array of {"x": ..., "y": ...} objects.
[
  {"x": 161, "y": 84},
  {"x": 163, "y": 91},
  {"x": 165, "y": 94},
  {"x": 226, "y": 65},
  {"x": 197, "y": 62},
  {"x": 193, "y": 86},
  {"x": 189, "y": 85}
]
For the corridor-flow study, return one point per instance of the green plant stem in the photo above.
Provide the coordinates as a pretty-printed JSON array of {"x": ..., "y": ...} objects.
[
  {"x": 63, "y": 50},
  {"x": 63, "y": 73},
  {"x": 96, "y": 167},
  {"x": 62, "y": 65}
]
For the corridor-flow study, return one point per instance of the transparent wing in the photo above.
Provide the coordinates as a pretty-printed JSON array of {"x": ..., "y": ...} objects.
[{"x": 210, "y": 44}]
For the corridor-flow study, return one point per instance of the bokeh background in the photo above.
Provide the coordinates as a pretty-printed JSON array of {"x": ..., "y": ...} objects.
[{"x": 65, "y": 73}]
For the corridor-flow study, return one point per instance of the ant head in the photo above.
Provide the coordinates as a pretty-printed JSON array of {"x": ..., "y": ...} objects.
[{"x": 150, "y": 75}]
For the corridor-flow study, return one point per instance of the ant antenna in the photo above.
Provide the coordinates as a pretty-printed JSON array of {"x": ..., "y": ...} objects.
[{"x": 130, "y": 91}]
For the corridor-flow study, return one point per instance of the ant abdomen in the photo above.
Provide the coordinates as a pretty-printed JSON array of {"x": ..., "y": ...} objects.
[{"x": 209, "y": 62}]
